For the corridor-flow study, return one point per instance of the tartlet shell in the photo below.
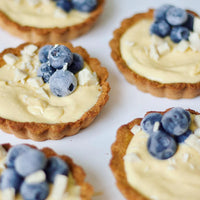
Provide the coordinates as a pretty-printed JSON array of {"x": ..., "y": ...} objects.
[
  {"x": 44, "y": 131},
  {"x": 118, "y": 150},
  {"x": 77, "y": 172},
  {"x": 34, "y": 34},
  {"x": 171, "y": 91}
]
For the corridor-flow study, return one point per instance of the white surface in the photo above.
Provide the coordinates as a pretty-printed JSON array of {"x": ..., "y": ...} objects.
[{"x": 91, "y": 148}]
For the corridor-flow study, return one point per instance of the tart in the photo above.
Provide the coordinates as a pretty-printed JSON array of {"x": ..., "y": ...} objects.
[
  {"x": 145, "y": 168},
  {"x": 74, "y": 176},
  {"x": 154, "y": 64},
  {"x": 32, "y": 111},
  {"x": 44, "y": 21}
]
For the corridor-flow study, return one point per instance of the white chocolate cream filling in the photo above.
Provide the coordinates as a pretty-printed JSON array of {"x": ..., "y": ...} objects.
[
  {"x": 41, "y": 15},
  {"x": 172, "y": 66},
  {"x": 25, "y": 98},
  {"x": 174, "y": 178},
  {"x": 72, "y": 191}
]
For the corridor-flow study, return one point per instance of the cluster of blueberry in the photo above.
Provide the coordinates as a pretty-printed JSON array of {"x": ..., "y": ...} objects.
[
  {"x": 23, "y": 161},
  {"x": 80, "y": 5},
  {"x": 58, "y": 67},
  {"x": 173, "y": 21},
  {"x": 173, "y": 128}
]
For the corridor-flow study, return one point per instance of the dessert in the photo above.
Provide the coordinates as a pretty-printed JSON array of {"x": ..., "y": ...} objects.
[
  {"x": 49, "y": 20},
  {"x": 158, "y": 51},
  {"x": 153, "y": 156},
  {"x": 31, "y": 174},
  {"x": 48, "y": 92}
]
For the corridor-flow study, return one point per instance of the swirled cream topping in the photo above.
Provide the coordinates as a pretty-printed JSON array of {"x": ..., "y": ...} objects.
[
  {"x": 175, "y": 178},
  {"x": 25, "y": 98},
  {"x": 44, "y": 14},
  {"x": 166, "y": 64}
]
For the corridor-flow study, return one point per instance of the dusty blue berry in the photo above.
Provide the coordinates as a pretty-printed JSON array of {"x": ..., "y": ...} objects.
[
  {"x": 55, "y": 165},
  {"x": 176, "y": 16},
  {"x": 161, "y": 145},
  {"x": 30, "y": 162},
  {"x": 43, "y": 53},
  {"x": 160, "y": 28},
  {"x": 77, "y": 63},
  {"x": 59, "y": 56},
  {"x": 62, "y": 83}
]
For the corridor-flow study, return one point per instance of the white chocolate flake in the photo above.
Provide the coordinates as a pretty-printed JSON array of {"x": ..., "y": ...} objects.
[
  {"x": 136, "y": 129},
  {"x": 182, "y": 46},
  {"x": 36, "y": 177},
  {"x": 163, "y": 48},
  {"x": 194, "y": 142},
  {"x": 197, "y": 120},
  {"x": 155, "y": 40},
  {"x": 59, "y": 187},
  {"x": 10, "y": 58},
  {"x": 58, "y": 13},
  {"x": 185, "y": 157},
  {"x": 35, "y": 82},
  {"x": 85, "y": 77},
  {"x": 156, "y": 126},
  {"x": 8, "y": 194},
  {"x": 19, "y": 75},
  {"x": 29, "y": 50},
  {"x": 197, "y": 132},
  {"x": 194, "y": 41},
  {"x": 196, "y": 26},
  {"x": 153, "y": 53}
]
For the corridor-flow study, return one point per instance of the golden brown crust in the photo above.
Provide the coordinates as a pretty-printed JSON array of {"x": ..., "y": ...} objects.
[
  {"x": 33, "y": 34},
  {"x": 172, "y": 91},
  {"x": 118, "y": 150},
  {"x": 77, "y": 172},
  {"x": 43, "y": 131}
]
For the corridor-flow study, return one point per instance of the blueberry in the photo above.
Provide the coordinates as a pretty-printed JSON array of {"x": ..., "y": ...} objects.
[
  {"x": 14, "y": 152},
  {"x": 30, "y": 162},
  {"x": 183, "y": 137},
  {"x": 149, "y": 120},
  {"x": 160, "y": 28},
  {"x": 62, "y": 83},
  {"x": 34, "y": 191},
  {"x": 77, "y": 63},
  {"x": 176, "y": 16},
  {"x": 56, "y": 165},
  {"x": 43, "y": 53},
  {"x": 84, "y": 5},
  {"x": 10, "y": 179},
  {"x": 161, "y": 145},
  {"x": 66, "y": 5},
  {"x": 59, "y": 55},
  {"x": 175, "y": 121},
  {"x": 179, "y": 33},
  {"x": 190, "y": 22},
  {"x": 45, "y": 71},
  {"x": 159, "y": 13}
]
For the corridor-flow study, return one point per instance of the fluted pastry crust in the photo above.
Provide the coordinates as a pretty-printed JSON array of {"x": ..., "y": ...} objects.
[
  {"x": 118, "y": 150},
  {"x": 77, "y": 172},
  {"x": 172, "y": 91},
  {"x": 44, "y": 131},
  {"x": 34, "y": 34}
]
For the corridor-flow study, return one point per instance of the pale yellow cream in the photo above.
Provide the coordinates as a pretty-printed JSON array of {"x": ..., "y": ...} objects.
[
  {"x": 177, "y": 178},
  {"x": 43, "y": 15},
  {"x": 22, "y": 102},
  {"x": 172, "y": 67}
]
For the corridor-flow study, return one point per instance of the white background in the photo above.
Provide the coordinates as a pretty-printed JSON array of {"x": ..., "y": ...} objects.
[{"x": 91, "y": 147}]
